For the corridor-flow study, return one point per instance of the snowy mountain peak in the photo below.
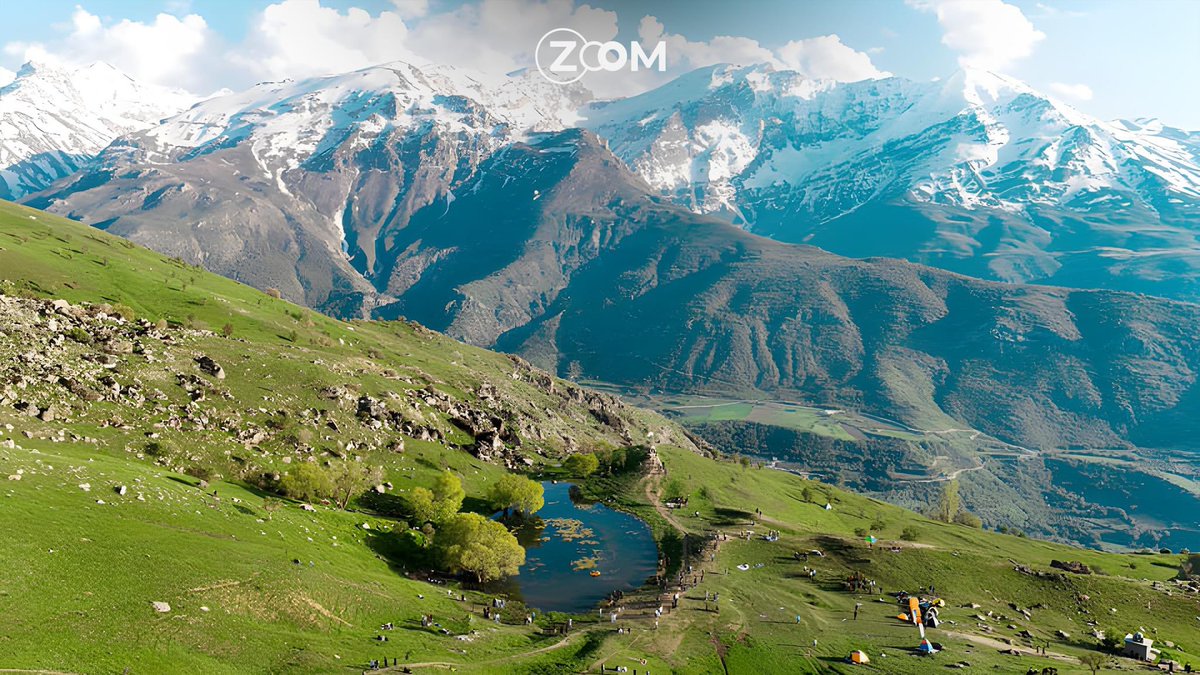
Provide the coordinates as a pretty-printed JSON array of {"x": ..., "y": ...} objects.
[
  {"x": 53, "y": 117},
  {"x": 289, "y": 121}
]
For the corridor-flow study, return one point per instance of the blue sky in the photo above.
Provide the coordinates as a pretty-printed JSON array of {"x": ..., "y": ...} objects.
[{"x": 1109, "y": 58}]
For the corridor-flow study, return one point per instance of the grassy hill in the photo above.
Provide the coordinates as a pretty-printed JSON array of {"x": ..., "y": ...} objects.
[{"x": 111, "y": 395}]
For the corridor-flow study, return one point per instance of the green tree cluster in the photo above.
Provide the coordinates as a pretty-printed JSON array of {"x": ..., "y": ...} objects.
[
  {"x": 438, "y": 504},
  {"x": 513, "y": 492},
  {"x": 582, "y": 465},
  {"x": 339, "y": 482},
  {"x": 470, "y": 543}
]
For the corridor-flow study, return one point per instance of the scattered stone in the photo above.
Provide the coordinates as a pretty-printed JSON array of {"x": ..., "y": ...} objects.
[
  {"x": 86, "y": 487},
  {"x": 120, "y": 489},
  {"x": 210, "y": 367},
  {"x": 160, "y": 607},
  {"x": 308, "y": 507}
]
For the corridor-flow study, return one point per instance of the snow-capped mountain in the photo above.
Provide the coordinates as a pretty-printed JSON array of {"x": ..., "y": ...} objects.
[
  {"x": 978, "y": 173},
  {"x": 53, "y": 118},
  {"x": 312, "y": 178}
]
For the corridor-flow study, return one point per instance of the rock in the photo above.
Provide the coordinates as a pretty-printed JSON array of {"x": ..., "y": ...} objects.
[
  {"x": 380, "y": 489},
  {"x": 85, "y": 486},
  {"x": 307, "y": 507},
  {"x": 120, "y": 489},
  {"x": 15, "y": 476},
  {"x": 1071, "y": 566},
  {"x": 370, "y": 408},
  {"x": 161, "y": 607},
  {"x": 210, "y": 367},
  {"x": 1063, "y": 634}
]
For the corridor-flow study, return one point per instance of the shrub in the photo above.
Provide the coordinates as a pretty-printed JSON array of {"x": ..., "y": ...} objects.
[
  {"x": 80, "y": 335},
  {"x": 201, "y": 471},
  {"x": 227, "y": 330},
  {"x": 582, "y": 465},
  {"x": 158, "y": 448},
  {"x": 909, "y": 533},
  {"x": 307, "y": 482},
  {"x": 969, "y": 519},
  {"x": 274, "y": 293}
]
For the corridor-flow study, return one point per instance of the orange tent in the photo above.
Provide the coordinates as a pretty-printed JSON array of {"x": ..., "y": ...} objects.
[
  {"x": 914, "y": 609},
  {"x": 859, "y": 656}
]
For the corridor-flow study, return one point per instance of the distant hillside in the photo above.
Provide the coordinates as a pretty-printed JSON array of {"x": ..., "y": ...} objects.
[{"x": 589, "y": 274}]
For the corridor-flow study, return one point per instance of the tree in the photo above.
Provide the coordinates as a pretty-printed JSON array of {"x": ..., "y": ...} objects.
[
  {"x": 806, "y": 494},
  {"x": 949, "y": 503},
  {"x": 351, "y": 479},
  {"x": 420, "y": 505},
  {"x": 308, "y": 482},
  {"x": 517, "y": 492},
  {"x": 1094, "y": 661},
  {"x": 618, "y": 461},
  {"x": 969, "y": 519},
  {"x": 582, "y": 465},
  {"x": 227, "y": 330},
  {"x": 909, "y": 533},
  {"x": 469, "y": 542},
  {"x": 448, "y": 495}
]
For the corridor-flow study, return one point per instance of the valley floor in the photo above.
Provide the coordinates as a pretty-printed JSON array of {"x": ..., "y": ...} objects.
[{"x": 299, "y": 591}]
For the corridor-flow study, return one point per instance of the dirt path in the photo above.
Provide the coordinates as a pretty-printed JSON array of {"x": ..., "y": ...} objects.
[
  {"x": 651, "y": 483},
  {"x": 490, "y": 662},
  {"x": 1001, "y": 646},
  {"x": 324, "y": 612}
]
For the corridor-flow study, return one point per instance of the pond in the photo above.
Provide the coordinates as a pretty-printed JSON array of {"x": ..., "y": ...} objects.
[{"x": 573, "y": 540}]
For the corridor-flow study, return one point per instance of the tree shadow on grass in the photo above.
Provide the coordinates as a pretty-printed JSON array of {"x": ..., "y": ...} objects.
[{"x": 726, "y": 517}]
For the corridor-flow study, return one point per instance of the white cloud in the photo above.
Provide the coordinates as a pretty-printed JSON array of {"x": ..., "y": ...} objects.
[
  {"x": 411, "y": 9},
  {"x": 6, "y": 76},
  {"x": 169, "y": 50},
  {"x": 989, "y": 34},
  {"x": 1045, "y": 10},
  {"x": 500, "y": 36},
  {"x": 302, "y": 38},
  {"x": 827, "y": 57},
  {"x": 823, "y": 57},
  {"x": 1079, "y": 92}
]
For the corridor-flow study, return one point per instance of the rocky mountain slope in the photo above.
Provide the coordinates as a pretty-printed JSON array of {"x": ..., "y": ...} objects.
[
  {"x": 54, "y": 118},
  {"x": 309, "y": 180},
  {"x": 978, "y": 173},
  {"x": 166, "y": 353}
]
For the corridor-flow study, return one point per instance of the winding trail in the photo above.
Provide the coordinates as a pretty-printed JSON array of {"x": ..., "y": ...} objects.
[{"x": 490, "y": 662}]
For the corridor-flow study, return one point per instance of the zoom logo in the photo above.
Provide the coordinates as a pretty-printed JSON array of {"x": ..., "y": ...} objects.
[{"x": 564, "y": 56}]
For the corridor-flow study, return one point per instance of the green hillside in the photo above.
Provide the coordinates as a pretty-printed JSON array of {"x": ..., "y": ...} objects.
[{"x": 116, "y": 393}]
